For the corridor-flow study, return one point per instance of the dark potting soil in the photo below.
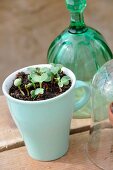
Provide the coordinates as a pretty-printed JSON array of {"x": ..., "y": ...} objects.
[{"x": 51, "y": 89}]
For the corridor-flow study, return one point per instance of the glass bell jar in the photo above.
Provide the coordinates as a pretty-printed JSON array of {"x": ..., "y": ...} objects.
[
  {"x": 79, "y": 48},
  {"x": 100, "y": 145}
]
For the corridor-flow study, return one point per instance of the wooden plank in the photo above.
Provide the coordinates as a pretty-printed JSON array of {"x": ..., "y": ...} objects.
[
  {"x": 75, "y": 159},
  {"x": 9, "y": 134}
]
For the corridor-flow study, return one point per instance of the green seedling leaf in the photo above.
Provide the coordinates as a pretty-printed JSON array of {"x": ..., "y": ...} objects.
[
  {"x": 50, "y": 76},
  {"x": 56, "y": 65},
  {"x": 65, "y": 80},
  {"x": 57, "y": 78},
  {"x": 39, "y": 79},
  {"x": 38, "y": 70},
  {"x": 35, "y": 78},
  {"x": 55, "y": 68},
  {"x": 60, "y": 84},
  {"x": 44, "y": 70},
  {"x": 48, "y": 79},
  {"x": 39, "y": 91},
  {"x": 36, "y": 92},
  {"x": 28, "y": 85},
  {"x": 33, "y": 93},
  {"x": 29, "y": 77},
  {"x": 59, "y": 65},
  {"x": 18, "y": 82},
  {"x": 44, "y": 77},
  {"x": 32, "y": 70},
  {"x": 48, "y": 72}
]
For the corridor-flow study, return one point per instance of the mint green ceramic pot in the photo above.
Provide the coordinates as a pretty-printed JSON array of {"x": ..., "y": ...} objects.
[{"x": 45, "y": 125}]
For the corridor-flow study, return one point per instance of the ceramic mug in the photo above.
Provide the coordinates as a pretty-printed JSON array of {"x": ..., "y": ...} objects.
[{"x": 45, "y": 125}]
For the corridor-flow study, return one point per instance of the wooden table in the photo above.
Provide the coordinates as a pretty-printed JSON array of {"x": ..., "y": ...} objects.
[{"x": 13, "y": 154}]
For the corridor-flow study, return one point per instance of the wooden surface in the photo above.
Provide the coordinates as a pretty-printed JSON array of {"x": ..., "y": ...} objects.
[
  {"x": 27, "y": 27},
  {"x": 75, "y": 159},
  {"x": 9, "y": 134}
]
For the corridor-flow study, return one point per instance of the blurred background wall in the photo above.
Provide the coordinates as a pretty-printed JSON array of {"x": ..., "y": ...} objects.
[{"x": 27, "y": 28}]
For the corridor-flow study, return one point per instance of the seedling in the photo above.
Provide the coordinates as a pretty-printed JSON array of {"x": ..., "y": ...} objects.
[
  {"x": 64, "y": 81},
  {"x": 56, "y": 68},
  {"x": 42, "y": 80},
  {"x": 30, "y": 79},
  {"x": 36, "y": 92},
  {"x": 27, "y": 86},
  {"x": 18, "y": 83}
]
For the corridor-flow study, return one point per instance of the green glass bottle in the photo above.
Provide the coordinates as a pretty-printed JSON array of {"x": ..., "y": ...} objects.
[{"x": 80, "y": 48}]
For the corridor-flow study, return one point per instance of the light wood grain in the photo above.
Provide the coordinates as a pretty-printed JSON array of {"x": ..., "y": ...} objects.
[
  {"x": 75, "y": 159},
  {"x": 9, "y": 134}
]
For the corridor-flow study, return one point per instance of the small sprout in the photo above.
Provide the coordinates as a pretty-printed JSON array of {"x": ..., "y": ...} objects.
[
  {"x": 49, "y": 78},
  {"x": 27, "y": 86},
  {"x": 44, "y": 77},
  {"x": 57, "y": 65},
  {"x": 38, "y": 70},
  {"x": 42, "y": 74},
  {"x": 32, "y": 69},
  {"x": 36, "y": 92},
  {"x": 33, "y": 94},
  {"x": 30, "y": 79},
  {"x": 48, "y": 72},
  {"x": 60, "y": 84},
  {"x": 45, "y": 70},
  {"x": 18, "y": 83},
  {"x": 56, "y": 68},
  {"x": 57, "y": 78},
  {"x": 39, "y": 79},
  {"x": 39, "y": 91},
  {"x": 64, "y": 81},
  {"x": 27, "y": 90}
]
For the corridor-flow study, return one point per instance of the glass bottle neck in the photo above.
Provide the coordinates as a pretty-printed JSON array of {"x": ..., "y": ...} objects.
[{"x": 77, "y": 24}]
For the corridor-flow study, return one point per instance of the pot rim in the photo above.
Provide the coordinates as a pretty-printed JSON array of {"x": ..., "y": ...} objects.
[{"x": 11, "y": 77}]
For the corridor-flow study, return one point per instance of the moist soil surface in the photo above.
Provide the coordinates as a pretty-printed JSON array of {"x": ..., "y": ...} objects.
[{"x": 51, "y": 89}]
